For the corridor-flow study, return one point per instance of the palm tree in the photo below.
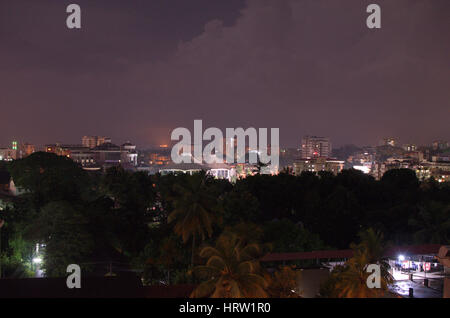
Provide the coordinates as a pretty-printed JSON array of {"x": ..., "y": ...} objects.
[
  {"x": 350, "y": 280},
  {"x": 193, "y": 209},
  {"x": 284, "y": 283},
  {"x": 169, "y": 255},
  {"x": 231, "y": 270}
]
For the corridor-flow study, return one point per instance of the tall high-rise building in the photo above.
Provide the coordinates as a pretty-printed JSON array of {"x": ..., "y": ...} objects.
[
  {"x": 94, "y": 141},
  {"x": 313, "y": 146}
]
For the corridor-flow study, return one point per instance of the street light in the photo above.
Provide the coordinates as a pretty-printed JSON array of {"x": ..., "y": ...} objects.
[
  {"x": 37, "y": 260},
  {"x": 401, "y": 258}
]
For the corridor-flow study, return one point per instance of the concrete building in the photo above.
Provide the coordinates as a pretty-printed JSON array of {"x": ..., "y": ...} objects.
[
  {"x": 318, "y": 164},
  {"x": 108, "y": 154},
  {"x": 84, "y": 157},
  {"x": 104, "y": 155},
  {"x": 440, "y": 145},
  {"x": 8, "y": 154},
  {"x": 409, "y": 147},
  {"x": 217, "y": 170},
  {"x": 94, "y": 141},
  {"x": 442, "y": 157},
  {"x": 129, "y": 153},
  {"x": 27, "y": 149},
  {"x": 313, "y": 146}
]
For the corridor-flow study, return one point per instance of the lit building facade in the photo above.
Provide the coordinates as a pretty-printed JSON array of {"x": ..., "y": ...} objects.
[
  {"x": 129, "y": 154},
  {"x": 409, "y": 147},
  {"x": 94, "y": 141},
  {"x": 218, "y": 171},
  {"x": 313, "y": 146},
  {"x": 318, "y": 164},
  {"x": 8, "y": 154},
  {"x": 27, "y": 149}
]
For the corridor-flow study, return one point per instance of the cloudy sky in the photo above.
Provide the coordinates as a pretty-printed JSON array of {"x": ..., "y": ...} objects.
[{"x": 140, "y": 68}]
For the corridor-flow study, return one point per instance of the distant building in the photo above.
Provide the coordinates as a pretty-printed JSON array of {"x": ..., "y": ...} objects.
[
  {"x": 108, "y": 154},
  {"x": 318, "y": 164},
  {"x": 78, "y": 153},
  {"x": 181, "y": 168},
  {"x": 440, "y": 171},
  {"x": 83, "y": 156},
  {"x": 442, "y": 157},
  {"x": 313, "y": 146},
  {"x": 378, "y": 170},
  {"x": 159, "y": 159},
  {"x": 54, "y": 148},
  {"x": 104, "y": 155},
  {"x": 409, "y": 147},
  {"x": 129, "y": 153},
  {"x": 63, "y": 149},
  {"x": 94, "y": 141},
  {"x": 415, "y": 155},
  {"x": 27, "y": 149},
  {"x": 218, "y": 171},
  {"x": 440, "y": 145},
  {"x": 158, "y": 156},
  {"x": 389, "y": 142},
  {"x": 8, "y": 154}
]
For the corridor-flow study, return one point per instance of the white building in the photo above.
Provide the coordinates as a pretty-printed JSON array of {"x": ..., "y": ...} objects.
[{"x": 217, "y": 170}]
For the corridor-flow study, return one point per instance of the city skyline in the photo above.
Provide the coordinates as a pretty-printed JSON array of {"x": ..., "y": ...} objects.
[
  {"x": 389, "y": 141},
  {"x": 229, "y": 149},
  {"x": 141, "y": 69}
]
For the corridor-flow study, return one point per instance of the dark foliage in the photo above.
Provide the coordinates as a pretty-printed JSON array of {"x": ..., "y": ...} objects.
[{"x": 121, "y": 217}]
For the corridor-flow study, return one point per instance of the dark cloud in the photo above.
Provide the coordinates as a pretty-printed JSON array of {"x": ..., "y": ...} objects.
[{"x": 138, "y": 69}]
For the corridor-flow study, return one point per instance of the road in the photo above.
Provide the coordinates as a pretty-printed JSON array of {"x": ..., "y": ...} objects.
[{"x": 420, "y": 291}]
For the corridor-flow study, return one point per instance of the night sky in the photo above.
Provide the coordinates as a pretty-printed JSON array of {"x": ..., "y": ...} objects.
[{"x": 140, "y": 68}]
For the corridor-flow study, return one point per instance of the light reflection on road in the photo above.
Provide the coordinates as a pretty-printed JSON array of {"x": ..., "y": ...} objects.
[{"x": 420, "y": 291}]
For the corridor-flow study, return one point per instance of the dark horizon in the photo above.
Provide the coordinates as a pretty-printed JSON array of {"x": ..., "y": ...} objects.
[{"x": 138, "y": 70}]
